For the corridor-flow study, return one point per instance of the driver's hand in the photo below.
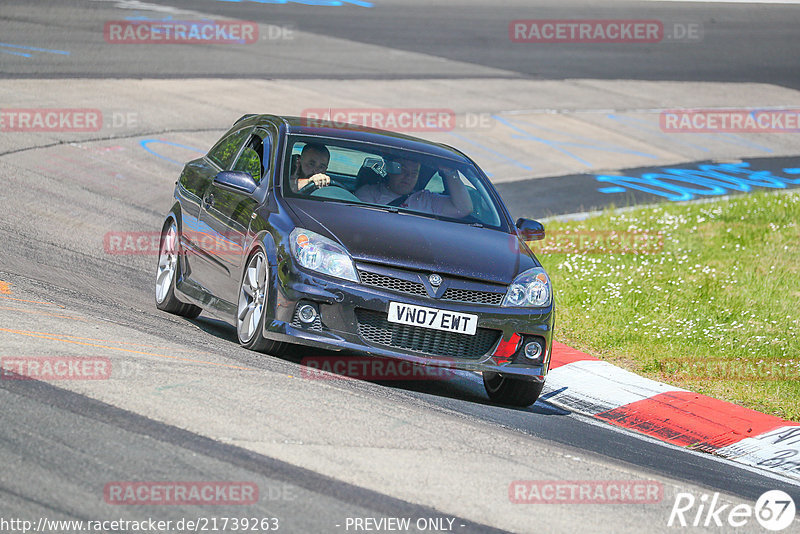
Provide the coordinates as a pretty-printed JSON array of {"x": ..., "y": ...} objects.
[
  {"x": 320, "y": 179},
  {"x": 448, "y": 172}
]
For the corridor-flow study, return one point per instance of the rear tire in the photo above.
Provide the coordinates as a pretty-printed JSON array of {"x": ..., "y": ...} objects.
[
  {"x": 167, "y": 273},
  {"x": 511, "y": 391},
  {"x": 250, "y": 314}
]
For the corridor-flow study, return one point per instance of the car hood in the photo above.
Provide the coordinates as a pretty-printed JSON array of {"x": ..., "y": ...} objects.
[{"x": 415, "y": 242}]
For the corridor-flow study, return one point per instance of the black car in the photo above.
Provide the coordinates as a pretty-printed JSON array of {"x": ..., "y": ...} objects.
[{"x": 407, "y": 252}]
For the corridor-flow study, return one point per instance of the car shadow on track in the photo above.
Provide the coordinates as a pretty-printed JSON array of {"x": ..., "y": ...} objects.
[
  {"x": 216, "y": 328},
  {"x": 320, "y": 364}
]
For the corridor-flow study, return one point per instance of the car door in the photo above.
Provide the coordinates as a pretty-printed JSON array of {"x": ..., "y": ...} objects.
[
  {"x": 227, "y": 210},
  {"x": 196, "y": 180}
]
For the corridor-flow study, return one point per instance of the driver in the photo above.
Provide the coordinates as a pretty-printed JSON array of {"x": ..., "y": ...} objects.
[
  {"x": 398, "y": 190},
  {"x": 311, "y": 167}
]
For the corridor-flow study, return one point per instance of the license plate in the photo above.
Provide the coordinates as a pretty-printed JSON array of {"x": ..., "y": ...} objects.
[{"x": 449, "y": 321}]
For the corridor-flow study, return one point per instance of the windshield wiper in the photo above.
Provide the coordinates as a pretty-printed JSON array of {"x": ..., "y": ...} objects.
[{"x": 390, "y": 209}]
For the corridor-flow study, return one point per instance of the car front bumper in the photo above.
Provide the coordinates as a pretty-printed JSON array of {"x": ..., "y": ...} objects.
[{"x": 342, "y": 305}]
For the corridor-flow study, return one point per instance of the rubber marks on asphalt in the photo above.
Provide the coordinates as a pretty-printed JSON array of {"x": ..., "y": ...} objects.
[
  {"x": 777, "y": 450},
  {"x": 692, "y": 420},
  {"x": 581, "y": 383}
]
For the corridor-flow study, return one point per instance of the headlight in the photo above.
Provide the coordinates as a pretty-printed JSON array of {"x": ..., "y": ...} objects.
[
  {"x": 531, "y": 288},
  {"x": 320, "y": 254}
]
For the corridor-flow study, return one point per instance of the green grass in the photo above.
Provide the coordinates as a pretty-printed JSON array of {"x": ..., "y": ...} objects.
[{"x": 714, "y": 308}]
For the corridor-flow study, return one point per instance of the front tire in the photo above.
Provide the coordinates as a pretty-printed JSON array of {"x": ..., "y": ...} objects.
[
  {"x": 250, "y": 313},
  {"x": 167, "y": 273},
  {"x": 511, "y": 391}
]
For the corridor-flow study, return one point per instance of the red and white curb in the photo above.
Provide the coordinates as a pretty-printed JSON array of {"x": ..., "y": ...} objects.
[{"x": 584, "y": 384}]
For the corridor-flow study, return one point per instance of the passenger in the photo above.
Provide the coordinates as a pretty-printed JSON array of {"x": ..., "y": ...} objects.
[
  {"x": 397, "y": 189},
  {"x": 310, "y": 167}
]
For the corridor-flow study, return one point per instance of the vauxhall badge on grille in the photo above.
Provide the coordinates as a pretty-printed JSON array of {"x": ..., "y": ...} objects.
[{"x": 435, "y": 280}]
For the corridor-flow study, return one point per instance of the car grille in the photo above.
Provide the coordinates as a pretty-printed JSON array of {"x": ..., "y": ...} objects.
[
  {"x": 416, "y": 288},
  {"x": 469, "y": 295},
  {"x": 392, "y": 284},
  {"x": 375, "y": 328}
]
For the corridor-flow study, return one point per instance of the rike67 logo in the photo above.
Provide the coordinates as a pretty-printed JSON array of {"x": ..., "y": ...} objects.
[{"x": 774, "y": 510}]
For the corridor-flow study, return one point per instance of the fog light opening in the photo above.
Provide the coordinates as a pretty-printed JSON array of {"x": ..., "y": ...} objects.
[
  {"x": 533, "y": 350},
  {"x": 307, "y": 313}
]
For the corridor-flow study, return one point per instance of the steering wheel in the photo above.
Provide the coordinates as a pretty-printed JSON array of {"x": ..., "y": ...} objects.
[
  {"x": 307, "y": 189},
  {"x": 310, "y": 187}
]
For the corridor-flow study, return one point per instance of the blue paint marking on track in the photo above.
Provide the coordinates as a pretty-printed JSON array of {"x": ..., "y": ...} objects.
[
  {"x": 677, "y": 184},
  {"x": 729, "y": 138},
  {"x": 588, "y": 143},
  {"x": 12, "y": 53},
  {"x": 645, "y": 126},
  {"x": 29, "y": 48},
  {"x": 145, "y": 144},
  {"x": 496, "y": 154},
  {"x": 166, "y": 18},
  {"x": 734, "y": 139}
]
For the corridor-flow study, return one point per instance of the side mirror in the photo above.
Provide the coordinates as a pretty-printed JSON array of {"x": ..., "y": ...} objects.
[
  {"x": 530, "y": 230},
  {"x": 237, "y": 181}
]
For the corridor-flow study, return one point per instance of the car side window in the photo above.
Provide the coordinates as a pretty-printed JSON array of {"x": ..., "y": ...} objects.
[
  {"x": 435, "y": 184},
  {"x": 225, "y": 151},
  {"x": 249, "y": 162},
  {"x": 254, "y": 159}
]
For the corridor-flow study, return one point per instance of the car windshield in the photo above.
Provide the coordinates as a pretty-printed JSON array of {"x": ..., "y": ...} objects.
[{"x": 389, "y": 178}]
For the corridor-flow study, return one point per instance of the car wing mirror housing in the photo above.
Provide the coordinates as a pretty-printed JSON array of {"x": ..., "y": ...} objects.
[
  {"x": 530, "y": 230},
  {"x": 236, "y": 181}
]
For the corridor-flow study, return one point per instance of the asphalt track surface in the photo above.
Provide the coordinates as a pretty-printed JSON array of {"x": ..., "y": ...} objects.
[
  {"x": 191, "y": 405},
  {"x": 741, "y": 43}
]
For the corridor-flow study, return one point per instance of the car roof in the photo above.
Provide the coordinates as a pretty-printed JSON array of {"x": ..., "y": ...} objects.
[{"x": 353, "y": 132}]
